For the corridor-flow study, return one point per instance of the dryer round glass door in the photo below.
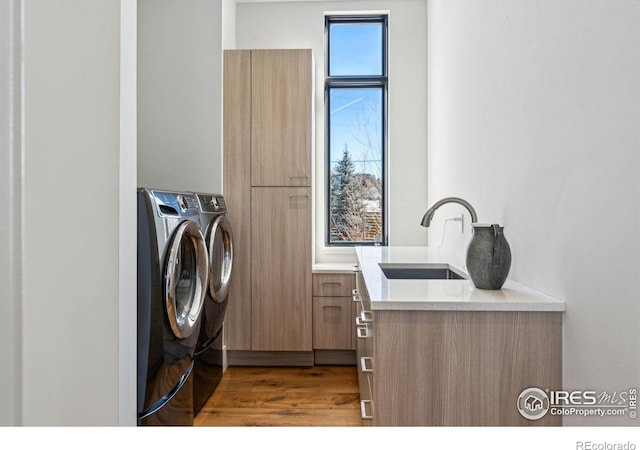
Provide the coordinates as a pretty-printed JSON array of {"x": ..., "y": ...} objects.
[
  {"x": 220, "y": 258},
  {"x": 185, "y": 279}
]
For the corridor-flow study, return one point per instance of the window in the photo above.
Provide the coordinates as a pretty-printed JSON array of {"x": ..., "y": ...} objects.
[{"x": 355, "y": 108}]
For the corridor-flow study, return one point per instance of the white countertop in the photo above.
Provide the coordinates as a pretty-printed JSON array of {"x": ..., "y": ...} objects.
[
  {"x": 332, "y": 267},
  {"x": 441, "y": 295}
]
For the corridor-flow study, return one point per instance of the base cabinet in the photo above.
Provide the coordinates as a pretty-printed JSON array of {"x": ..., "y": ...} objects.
[
  {"x": 333, "y": 318},
  {"x": 454, "y": 368}
]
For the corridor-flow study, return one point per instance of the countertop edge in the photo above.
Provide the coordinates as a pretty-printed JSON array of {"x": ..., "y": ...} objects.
[
  {"x": 465, "y": 306},
  {"x": 332, "y": 267}
]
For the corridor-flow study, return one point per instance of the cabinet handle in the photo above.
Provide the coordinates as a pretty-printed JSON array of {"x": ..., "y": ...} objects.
[
  {"x": 299, "y": 177},
  {"x": 363, "y": 409},
  {"x": 298, "y": 196},
  {"x": 362, "y": 332},
  {"x": 363, "y": 364},
  {"x": 366, "y": 316},
  {"x": 331, "y": 283}
]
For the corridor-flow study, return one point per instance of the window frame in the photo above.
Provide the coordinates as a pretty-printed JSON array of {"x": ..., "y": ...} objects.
[{"x": 356, "y": 82}]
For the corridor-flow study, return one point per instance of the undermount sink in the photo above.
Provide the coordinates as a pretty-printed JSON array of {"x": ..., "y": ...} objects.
[{"x": 419, "y": 272}]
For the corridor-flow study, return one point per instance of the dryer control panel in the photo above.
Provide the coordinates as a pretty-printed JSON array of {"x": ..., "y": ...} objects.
[{"x": 212, "y": 203}]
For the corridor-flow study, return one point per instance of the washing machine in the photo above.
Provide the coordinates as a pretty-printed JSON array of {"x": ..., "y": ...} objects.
[
  {"x": 209, "y": 352},
  {"x": 172, "y": 281}
]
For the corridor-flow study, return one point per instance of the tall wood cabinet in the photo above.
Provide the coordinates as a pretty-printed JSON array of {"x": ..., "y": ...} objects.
[{"x": 268, "y": 137}]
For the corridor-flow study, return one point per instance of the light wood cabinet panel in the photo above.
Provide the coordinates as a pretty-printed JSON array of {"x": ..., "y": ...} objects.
[
  {"x": 463, "y": 368},
  {"x": 332, "y": 319},
  {"x": 332, "y": 284},
  {"x": 281, "y": 318},
  {"x": 237, "y": 193},
  {"x": 281, "y": 125}
]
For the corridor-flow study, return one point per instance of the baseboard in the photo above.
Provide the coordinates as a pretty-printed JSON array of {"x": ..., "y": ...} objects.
[
  {"x": 335, "y": 357},
  {"x": 251, "y": 358}
]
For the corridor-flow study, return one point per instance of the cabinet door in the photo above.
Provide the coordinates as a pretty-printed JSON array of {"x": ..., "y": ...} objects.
[
  {"x": 281, "y": 269},
  {"x": 332, "y": 317},
  {"x": 281, "y": 127},
  {"x": 237, "y": 193}
]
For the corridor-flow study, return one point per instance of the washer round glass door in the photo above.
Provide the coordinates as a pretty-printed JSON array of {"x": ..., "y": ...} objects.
[
  {"x": 185, "y": 279},
  {"x": 220, "y": 258}
]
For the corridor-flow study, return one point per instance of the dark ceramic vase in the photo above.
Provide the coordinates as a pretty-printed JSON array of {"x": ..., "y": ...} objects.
[{"x": 488, "y": 257}]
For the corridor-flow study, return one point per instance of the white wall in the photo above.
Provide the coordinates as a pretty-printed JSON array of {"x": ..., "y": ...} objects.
[
  {"x": 301, "y": 25},
  {"x": 180, "y": 94},
  {"x": 71, "y": 176},
  {"x": 11, "y": 216},
  {"x": 128, "y": 231},
  {"x": 229, "y": 24},
  {"x": 534, "y": 110}
]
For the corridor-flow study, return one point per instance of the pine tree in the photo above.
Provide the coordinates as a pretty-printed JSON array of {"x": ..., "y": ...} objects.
[{"x": 347, "y": 208}]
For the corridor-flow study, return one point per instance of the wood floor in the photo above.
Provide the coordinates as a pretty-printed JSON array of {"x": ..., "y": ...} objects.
[{"x": 284, "y": 396}]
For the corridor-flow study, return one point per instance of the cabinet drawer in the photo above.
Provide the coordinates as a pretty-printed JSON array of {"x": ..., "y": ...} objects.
[
  {"x": 332, "y": 285},
  {"x": 366, "y": 401},
  {"x": 332, "y": 318}
]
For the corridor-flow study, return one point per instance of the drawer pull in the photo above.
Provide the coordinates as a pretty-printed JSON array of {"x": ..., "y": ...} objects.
[
  {"x": 331, "y": 283},
  {"x": 363, "y": 364},
  {"x": 363, "y": 320},
  {"x": 363, "y": 332},
  {"x": 366, "y": 316},
  {"x": 363, "y": 409}
]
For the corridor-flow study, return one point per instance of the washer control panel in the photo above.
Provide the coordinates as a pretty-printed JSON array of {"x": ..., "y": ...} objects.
[{"x": 175, "y": 204}]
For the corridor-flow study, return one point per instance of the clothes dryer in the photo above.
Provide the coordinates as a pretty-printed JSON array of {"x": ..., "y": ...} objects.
[
  {"x": 172, "y": 281},
  {"x": 208, "y": 367}
]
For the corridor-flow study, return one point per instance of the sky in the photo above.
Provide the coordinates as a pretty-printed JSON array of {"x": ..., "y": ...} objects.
[{"x": 356, "y": 114}]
